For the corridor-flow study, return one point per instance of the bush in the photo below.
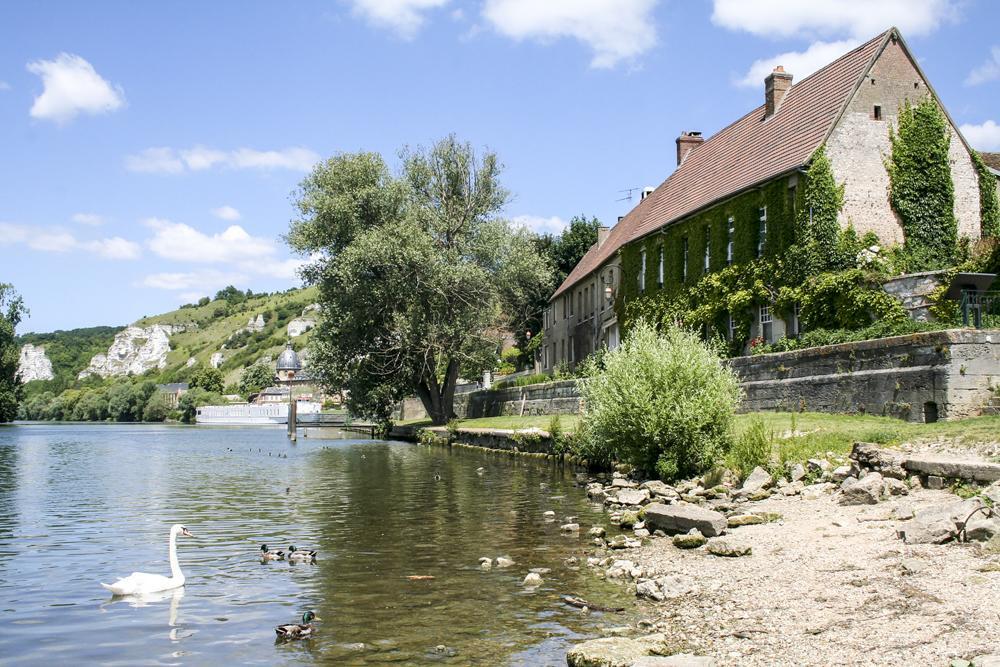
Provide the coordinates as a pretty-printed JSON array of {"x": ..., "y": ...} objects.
[
  {"x": 663, "y": 403},
  {"x": 157, "y": 408},
  {"x": 751, "y": 449}
]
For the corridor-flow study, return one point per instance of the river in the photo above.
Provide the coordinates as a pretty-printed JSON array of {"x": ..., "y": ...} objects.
[{"x": 81, "y": 504}]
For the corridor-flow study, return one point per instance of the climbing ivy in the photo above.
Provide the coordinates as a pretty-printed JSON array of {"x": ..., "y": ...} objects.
[
  {"x": 920, "y": 186},
  {"x": 989, "y": 206},
  {"x": 818, "y": 229}
]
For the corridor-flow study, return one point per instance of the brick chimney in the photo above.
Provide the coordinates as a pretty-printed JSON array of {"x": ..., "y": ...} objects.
[
  {"x": 603, "y": 233},
  {"x": 776, "y": 85},
  {"x": 687, "y": 142}
]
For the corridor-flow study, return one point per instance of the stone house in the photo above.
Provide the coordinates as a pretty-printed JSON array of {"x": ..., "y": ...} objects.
[{"x": 732, "y": 197}]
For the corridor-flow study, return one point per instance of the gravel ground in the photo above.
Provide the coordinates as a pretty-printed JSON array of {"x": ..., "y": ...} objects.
[{"x": 830, "y": 585}]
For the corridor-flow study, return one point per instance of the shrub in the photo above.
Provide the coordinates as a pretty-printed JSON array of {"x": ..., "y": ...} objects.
[
  {"x": 663, "y": 403},
  {"x": 751, "y": 449}
]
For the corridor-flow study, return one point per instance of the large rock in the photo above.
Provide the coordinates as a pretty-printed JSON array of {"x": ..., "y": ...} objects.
[
  {"x": 134, "y": 351},
  {"x": 217, "y": 359},
  {"x": 757, "y": 480},
  {"x": 728, "y": 547},
  {"x": 866, "y": 491},
  {"x": 979, "y": 471},
  {"x": 937, "y": 525},
  {"x": 33, "y": 364},
  {"x": 870, "y": 456},
  {"x": 632, "y": 496},
  {"x": 256, "y": 323},
  {"x": 673, "y": 519},
  {"x": 613, "y": 651}
]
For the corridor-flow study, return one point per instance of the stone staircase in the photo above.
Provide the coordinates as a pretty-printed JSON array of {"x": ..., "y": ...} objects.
[{"x": 993, "y": 406}]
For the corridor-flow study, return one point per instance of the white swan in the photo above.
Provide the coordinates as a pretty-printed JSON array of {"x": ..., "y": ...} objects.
[{"x": 139, "y": 583}]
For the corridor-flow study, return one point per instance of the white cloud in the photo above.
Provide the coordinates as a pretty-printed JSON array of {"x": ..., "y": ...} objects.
[
  {"x": 92, "y": 219},
  {"x": 860, "y": 19},
  {"x": 404, "y": 17},
  {"x": 226, "y": 213},
  {"x": 285, "y": 269},
  {"x": 799, "y": 64},
  {"x": 71, "y": 87},
  {"x": 58, "y": 240},
  {"x": 615, "y": 30},
  {"x": 192, "y": 280},
  {"x": 167, "y": 160},
  {"x": 177, "y": 241},
  {"x": 541, "y": 225},
  {"x": 113, "y": 248},
  {"x": 983, "y": 137},
  {"x": 988, "y": 71},
  {"x": 4, "y": 86}
]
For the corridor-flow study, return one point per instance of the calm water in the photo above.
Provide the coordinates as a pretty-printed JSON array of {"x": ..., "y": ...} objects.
[{"x": 90, "y": 503}]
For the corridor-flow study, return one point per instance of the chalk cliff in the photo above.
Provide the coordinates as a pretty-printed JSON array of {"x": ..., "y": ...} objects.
[
  {"x": 33, "y": 364},
  {"x": 134, "y": 351}
]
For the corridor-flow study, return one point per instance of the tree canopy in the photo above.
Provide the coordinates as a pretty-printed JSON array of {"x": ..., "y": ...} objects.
[
  {"x": 207, "y": 378},
  {"x": 418, "y": 273},
  {"x": 11, "y": 311}
]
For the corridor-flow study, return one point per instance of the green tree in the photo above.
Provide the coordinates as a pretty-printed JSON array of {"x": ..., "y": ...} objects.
[
  {"x": 157, "y": 408},
  {"x": 11, "y": 310},
  {"x": 920, "y": 187},
  {"x": 256, "y": 377},
  {"x": 572, "y": 244},
  {"x": 417, "y": 274},
  {"x": 209, "y": 379},
  {"x": 192, "y": 400}
]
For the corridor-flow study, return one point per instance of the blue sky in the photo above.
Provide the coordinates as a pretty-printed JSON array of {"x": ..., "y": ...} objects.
[{"x": 149, "y": 150}]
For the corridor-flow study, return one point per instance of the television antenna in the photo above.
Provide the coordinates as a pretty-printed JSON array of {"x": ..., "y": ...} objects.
[{"x": 628, "y": 194}]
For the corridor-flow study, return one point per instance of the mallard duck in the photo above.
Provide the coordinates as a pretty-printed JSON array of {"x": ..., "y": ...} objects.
[
  {"x": 299, "y": 556},
  {"x": 297, "y": 630},
  {"x": 266, "y": 555}
]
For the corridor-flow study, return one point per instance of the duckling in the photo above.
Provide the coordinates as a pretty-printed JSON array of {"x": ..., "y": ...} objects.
[
  {"x": 266, "y": 555},
  {"x": 296, "y": 556},
  {"x": 301, "y": 630}
]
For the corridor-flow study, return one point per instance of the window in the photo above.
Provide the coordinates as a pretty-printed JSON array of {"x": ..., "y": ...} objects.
[
  {"x": 796, "y": 322},
  {"x": 562, "y": 350},
  {"x": 730, "y": 241},
  {"x": 564, "y": 307},
  {"x": 762, "y": 232},
  {"x": 766, "y": 324},
  {"x": 642, "y": 272},
  {"x": 684, "y": 242},
  {"x": 731, "y": 326},
  {"x": 545, "y": 356},
  {"x": 877, "y": 112},
  {"x": 659, "y": 273},
  {"x": 585, "y": 301},
  {"x": 708, "y": 249}
]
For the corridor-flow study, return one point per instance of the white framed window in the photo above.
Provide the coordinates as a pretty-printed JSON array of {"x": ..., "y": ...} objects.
[
  {"x": 659, "y": 274},
  {"x": 766, "y": 324},
  {"x": 730, "y": 240},
  {"x": 796, "y": 322},
  {"x": 684, "y": 266},
  {"x": 708, "y": 250},
  {"x": 642, "y": 272},
  {"x": 762, "y": 231},
  {"x": 731, "y": 323}
]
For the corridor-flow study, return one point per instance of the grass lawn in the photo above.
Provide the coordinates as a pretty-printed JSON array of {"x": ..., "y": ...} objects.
[{"x": 805, "y": 435}]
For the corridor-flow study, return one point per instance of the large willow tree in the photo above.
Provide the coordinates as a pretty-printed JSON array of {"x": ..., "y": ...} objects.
[{"x": 418, "y": 274}]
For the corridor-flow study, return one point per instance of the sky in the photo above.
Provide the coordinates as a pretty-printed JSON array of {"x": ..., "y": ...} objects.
[{"x": 150, "y": 151}]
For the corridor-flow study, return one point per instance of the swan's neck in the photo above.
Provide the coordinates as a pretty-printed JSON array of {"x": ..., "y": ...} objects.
[{"x": 175, "y": 567}]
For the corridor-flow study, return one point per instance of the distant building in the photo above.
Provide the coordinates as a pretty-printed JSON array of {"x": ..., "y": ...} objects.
[
  {"x": 173, "y": 392},
  {"x": 732, "y": 197}
]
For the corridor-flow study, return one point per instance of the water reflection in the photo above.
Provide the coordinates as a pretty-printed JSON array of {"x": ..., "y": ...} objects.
[{"x": 92, "y": 501}]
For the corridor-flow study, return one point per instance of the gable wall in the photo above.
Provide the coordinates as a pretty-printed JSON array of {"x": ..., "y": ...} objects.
[{"x": 859, "y": 145}]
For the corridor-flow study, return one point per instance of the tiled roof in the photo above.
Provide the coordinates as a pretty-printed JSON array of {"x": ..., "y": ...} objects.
[
  {"x": 992, "y": 160},
  {"x": 750, "y": 151}
]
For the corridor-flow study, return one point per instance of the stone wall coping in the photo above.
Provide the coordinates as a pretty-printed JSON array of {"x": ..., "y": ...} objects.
[
  {"x": 921, "y": 338},
  {"x": 919, "y": 274},
  {"x": 530, "y": 387}
]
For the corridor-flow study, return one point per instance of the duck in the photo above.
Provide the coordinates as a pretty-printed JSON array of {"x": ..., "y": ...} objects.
[
  {"x": 300, "y": 556},
  {"x": 266, "y": 555},
  {"x": 298, "y": 630},
  {"x": 142, "y": 583}
]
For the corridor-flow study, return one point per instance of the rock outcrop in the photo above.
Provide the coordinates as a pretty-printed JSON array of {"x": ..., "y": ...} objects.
[
  {"x": 133, "y": 352},
  {"x": 33, "y": 364},
  {"x": 256, "y": 324},
  {"x": 299, "y": 326},
  {"x": 217, "y": 359}
]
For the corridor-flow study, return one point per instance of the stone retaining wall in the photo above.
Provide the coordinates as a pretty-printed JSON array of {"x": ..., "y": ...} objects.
[
  {"x": 549, "y": 398},
  {"x": 919, "y": 377}
]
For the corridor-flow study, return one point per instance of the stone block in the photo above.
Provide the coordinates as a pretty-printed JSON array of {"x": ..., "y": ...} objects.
[{"x": 673, "y": 519}]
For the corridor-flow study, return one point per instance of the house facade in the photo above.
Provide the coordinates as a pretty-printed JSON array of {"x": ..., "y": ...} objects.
[{"x": 733, "y": 197}]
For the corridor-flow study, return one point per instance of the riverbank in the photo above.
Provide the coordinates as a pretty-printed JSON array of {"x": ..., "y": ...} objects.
[{"x": 838, "y": 571}]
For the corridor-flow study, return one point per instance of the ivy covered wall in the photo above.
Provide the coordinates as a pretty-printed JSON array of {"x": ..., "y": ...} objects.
[{"x": 781, "y": 198}]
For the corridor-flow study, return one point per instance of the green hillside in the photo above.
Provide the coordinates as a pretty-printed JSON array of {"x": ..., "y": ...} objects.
[{"x": 211, "y": 326}]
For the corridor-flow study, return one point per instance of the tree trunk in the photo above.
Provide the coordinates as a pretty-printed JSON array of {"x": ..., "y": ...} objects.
[{"x": 439, "y": 400}]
